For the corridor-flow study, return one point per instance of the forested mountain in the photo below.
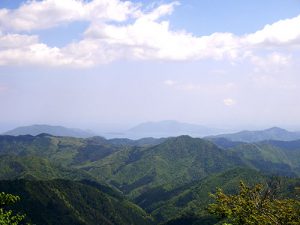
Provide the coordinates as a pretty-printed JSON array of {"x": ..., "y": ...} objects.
[
  {"x": 274, "y": 133},
  {"x": 174, "y": 162},
  {"x": 278, "y": 157},
  {"x": 73, "y": 203},
  {"x": 194, "y": 198},
  {"x": 169, "y": 178},
  {"x": 37, "y": 168}
]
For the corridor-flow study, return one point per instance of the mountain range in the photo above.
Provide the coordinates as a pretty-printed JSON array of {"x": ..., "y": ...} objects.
[
  {"x": 274, "y": 133},
  {"x": 147, "y": 181},
  {"x": 162, "y": 129}
]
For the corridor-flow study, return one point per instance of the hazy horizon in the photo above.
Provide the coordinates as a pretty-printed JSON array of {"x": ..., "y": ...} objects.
[
  {"x": 112, "y": 64},
  {"x": 112, "y": 130}
]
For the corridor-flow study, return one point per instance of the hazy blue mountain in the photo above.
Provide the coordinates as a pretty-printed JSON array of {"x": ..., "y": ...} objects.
[
  {"x": 274, "y": 133},
  {"x": 169, "y": 128},
  {"x": 48, "y": 129}
]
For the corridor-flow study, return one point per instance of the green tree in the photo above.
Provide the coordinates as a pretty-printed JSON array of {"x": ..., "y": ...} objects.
[
  {"x": 255, "y": 206},
  {"x": 7, "y": 217}
]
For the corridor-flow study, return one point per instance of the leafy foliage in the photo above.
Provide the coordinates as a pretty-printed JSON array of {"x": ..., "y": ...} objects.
[
  {"x": 7, "y": 217},
  {"x": 255, "y": 205}
]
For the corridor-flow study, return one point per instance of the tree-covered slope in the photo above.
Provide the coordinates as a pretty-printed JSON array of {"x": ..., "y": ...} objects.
[
  {"x": 62, "y": 150},
  {"x": 190, "y": 201},
  {"x": 274, "y": 133},
  {"x": 37, "y": 168},
  {"x": 174, "y": 162},
  {"x": 170, "y": 178},
  {"x": 193, "y": 198},
  {"x": 72, "y": 203},
  {"x": 276, "y": 157}
]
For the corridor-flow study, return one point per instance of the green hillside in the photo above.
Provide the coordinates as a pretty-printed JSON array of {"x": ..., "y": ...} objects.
[
  {"x": 37, "y": 168},
  {"x": 194, "y": 197},
  {"x": 269, "y": 156},
  {"x": 189, "y": 202},
  {"x": 71, "y": 203},
  {"x": 274, "y": 133},
  {"x": 173, "y": 163},
  {"x": 62, "y": 150},
  {"x": 168, "y": 178}
]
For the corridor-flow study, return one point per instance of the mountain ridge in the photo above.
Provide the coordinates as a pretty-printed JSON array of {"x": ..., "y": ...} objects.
[
  {"x": 38, "y": 129},
  {"x": 273, "y": 133}
]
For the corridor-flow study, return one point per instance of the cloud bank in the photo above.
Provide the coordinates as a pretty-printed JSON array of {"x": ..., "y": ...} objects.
[{"x": 121, "y": 30}]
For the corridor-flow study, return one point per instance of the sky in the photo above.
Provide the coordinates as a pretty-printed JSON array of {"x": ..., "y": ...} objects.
[{"x": 112, "y": 64}]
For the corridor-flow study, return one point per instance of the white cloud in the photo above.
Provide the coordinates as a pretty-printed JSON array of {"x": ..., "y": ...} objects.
[
  {"x": 14, "y": 41},
  {"x": 283, "y": 32},
  {"x": 229, "y": 102},
  {"x": 27, "y": 50},
  {"x": 33, "y": 15},
  {"x": 145, "y": 37},
  {"x": 272, "y": 62}
]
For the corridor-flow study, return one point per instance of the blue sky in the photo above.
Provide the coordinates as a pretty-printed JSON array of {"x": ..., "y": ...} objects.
[{"x": 110, "y": 64}]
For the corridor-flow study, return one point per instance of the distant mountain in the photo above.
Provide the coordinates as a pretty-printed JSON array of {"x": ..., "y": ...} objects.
[
  {"x": 274, "y": 133},
  {"x": 169, "y": 128},
  {"x": 48, "y": 129}
]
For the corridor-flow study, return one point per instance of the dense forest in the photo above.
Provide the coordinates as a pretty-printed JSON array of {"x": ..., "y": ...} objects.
[{"x": 86, "y": 181}]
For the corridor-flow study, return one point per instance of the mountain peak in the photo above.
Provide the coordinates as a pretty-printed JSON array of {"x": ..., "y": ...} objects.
[
  {"x": 273, "y": 133},
  {"x": 276, "y": 129}
]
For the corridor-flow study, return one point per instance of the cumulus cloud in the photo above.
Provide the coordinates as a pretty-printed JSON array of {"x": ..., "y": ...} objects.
[
  {"x": 283, "y": 32},
  {"x": 18, "y": 49},
  {"x": 34, "y": 15},
  {"x": 146, "y": 36}
]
